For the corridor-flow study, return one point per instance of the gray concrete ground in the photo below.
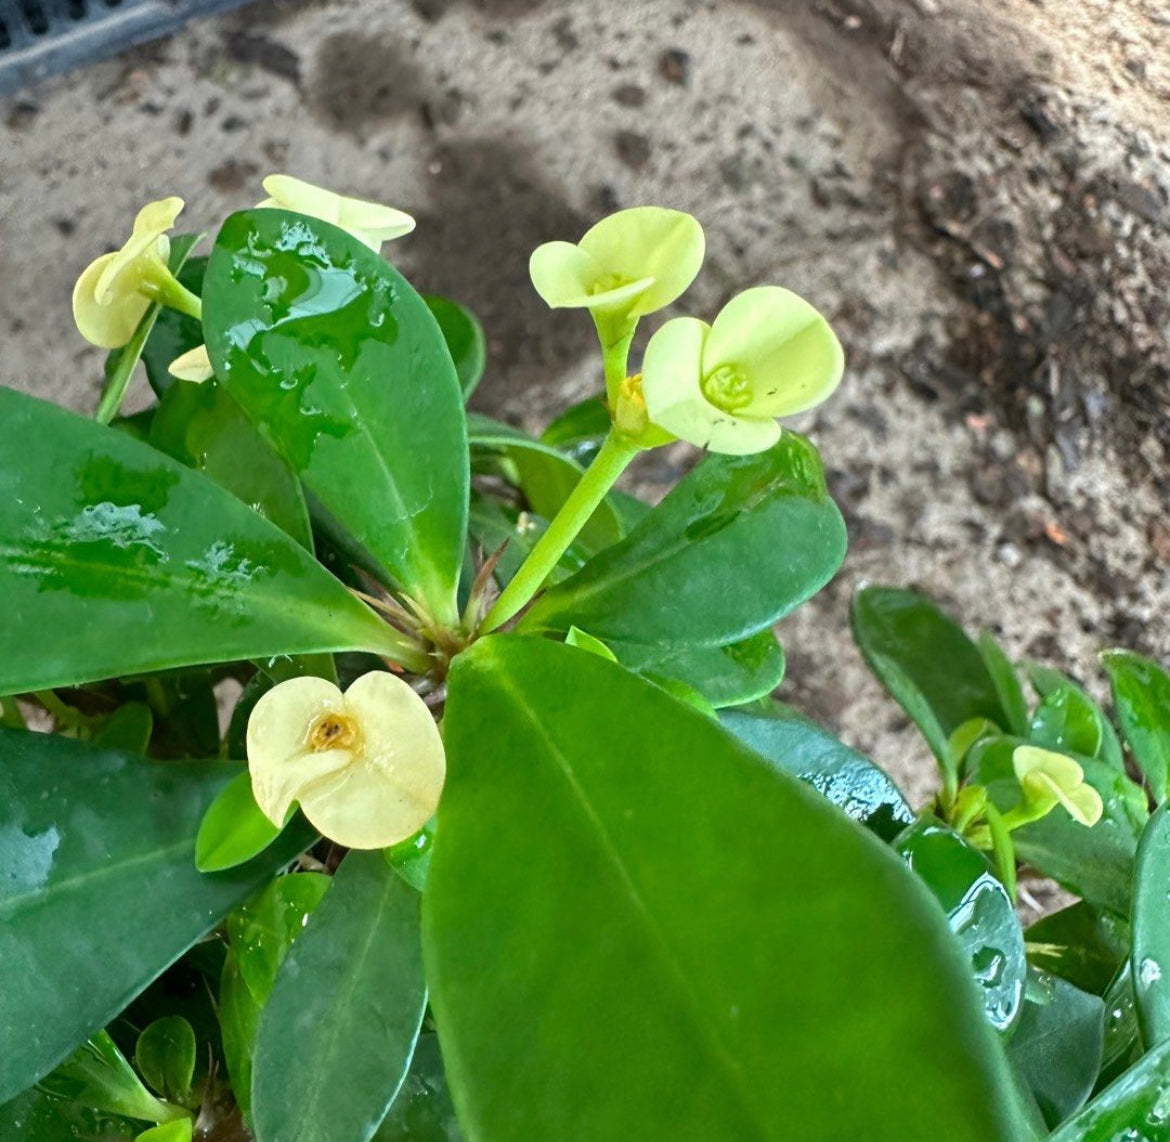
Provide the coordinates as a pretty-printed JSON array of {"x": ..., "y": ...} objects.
[{"x": 976, "y": 191}]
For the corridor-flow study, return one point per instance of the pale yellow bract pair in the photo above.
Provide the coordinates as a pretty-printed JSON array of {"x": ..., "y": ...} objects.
[{"x": 721, "y": 386}]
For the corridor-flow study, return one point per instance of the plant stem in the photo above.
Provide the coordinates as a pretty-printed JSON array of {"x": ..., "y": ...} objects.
[
  {"x": 167, "y": 290},
  {"x": 610, "y": 462}
]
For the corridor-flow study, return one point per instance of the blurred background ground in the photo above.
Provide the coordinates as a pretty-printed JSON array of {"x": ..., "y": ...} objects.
[{"x": 977, "y": 192}]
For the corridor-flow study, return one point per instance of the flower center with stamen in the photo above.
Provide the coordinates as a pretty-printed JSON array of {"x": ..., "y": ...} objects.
[
  {"x": 727, "y": 388},
  {"x": 607, "y": 282},
  {"x": 332, "y": 731}
]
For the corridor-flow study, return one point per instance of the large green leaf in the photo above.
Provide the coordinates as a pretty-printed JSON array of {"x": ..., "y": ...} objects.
[
  {"x": 1136, "y": 1108},
  {"x": 202, "y": 427},
  {"x": 343, "y": 368},
  {"x": 100, "y": 891},
  {"x": 422, "y": 1111},
  {"x": 1080, "y": 943},
  {"x": 115, "y": 560},
  {"x": 1151, "y": 929},
  {"x": 1058, "y": 1045},
  {"x": 930, "y": 667},
  {"x": 35, "y": 1116},
  {"x": 847, "y": 778},
  {"x": 739, "y": 543},
  {"x": 1067, "y": 720},
  {"x": 1141, "y": 694},
  {"x": 636, "y": 927},
  {"x": 337, "y": 1034}
]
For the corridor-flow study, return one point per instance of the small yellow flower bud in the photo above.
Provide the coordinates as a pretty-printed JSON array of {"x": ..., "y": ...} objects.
[
  {"x": 113, "y": 292},
  {"x": 367, "y": 766}
]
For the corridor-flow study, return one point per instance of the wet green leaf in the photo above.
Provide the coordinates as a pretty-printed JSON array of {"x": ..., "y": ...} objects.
[
  {"x": 464, "y": 337},
  {"x": 337, "y": 1034},
  {"x": 35, "y": 1116},
  {"x": 610, "y": 902},
  {"x": 1046, "y": 681},
  {"x": 262, "y": 930},
  {"x": 979, "y": 912},
  {"x": 1141, "y": 694},
  {"x": 165, "y": 1056},
  {"x": 422, "y": 1110},
  {"x": 342, "y": 367},
  {"x": 702, "y": 569},
  {"x": 201, "y": 426},
  {"x": 847, "y": 778},
  {"x": 1067, "y": 721},
  {"x": 1151, "y": 929},
  {"x": 101, "y": 891},
  {"x": 926, "y": 662},
  {"x": 1136, "y": 1108},
  {"x": 239, "y": 1016},
  {"x": 233, "y": 829},
  {"x": 103, "y": 539},
  {"x": 411, "y": 858},
  {"x": 1057, "y": 1046},
  {"x": 1080, "y": 943}
]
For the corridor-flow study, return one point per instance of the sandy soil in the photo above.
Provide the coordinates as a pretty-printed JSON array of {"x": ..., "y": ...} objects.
[{"x": 977, "y": 192}]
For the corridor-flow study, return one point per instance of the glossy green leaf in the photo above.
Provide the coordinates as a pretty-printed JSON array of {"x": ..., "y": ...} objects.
[
  {"x": 1046, "y": 681},
  {"x": 1097, "y": 862},
  {"x": 201, "y": 426},
  {"x": 411, "y": 858},
  {"x": 731, "y": 675},
  {"x": 926, "y": 662},
  {"x": 545, "y": 475},
  {"x": 239, "y": 1016},
  {"x": 342, "y": 367},
  {"x": 233, "y": 829},
  {"x": 703, "y": 568},
  {"x": 422, "y": 1111},
  {"x": 634, "y": 922},
  {"x": 802, "y": 748},
  {"x": 181, "y": 1130},
  {"x": 464, "y": 337},
  {"x": 1151, "y": 929},
  {"x": 102, "y": 539},
  {"x": 120, "y": 364},
  {"x": 165, "y": 1056},
  {"x": 979, "y": 912},
  {"x": 100, "y": 892},
  {"x": 583, "y": 640},
  {"x": 174, "y": 333},
  {"x": 1067, "y": 721},
  {"x": 1123, "y": 1039},
  {"x": 1135, "y": 1108},
  {"x": 262, "y": 930},
  {"x": 1141, "y": 695},
  {"x": 1081, "y": 944},
  {"x": 337, "y": 1034},
  {"x": 97, "y": 1075},
  {"x": 1057, "y": 1046},
  {"x": 35, "y": 1116},
  {"x": 128, "y": 727},
  {"x": 1007, "y": 684}
]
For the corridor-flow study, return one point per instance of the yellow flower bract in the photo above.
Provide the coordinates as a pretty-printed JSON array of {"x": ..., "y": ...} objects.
[
  {"x": 366, "y": 767},
  {"x": 1048, "y": 779}
]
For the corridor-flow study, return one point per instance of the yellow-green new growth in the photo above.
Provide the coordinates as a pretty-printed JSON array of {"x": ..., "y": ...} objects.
[
  {"x": 366, "y": 767},
  {"x": 768, "y": 354},
  {"x": 1047, "y": 779}
]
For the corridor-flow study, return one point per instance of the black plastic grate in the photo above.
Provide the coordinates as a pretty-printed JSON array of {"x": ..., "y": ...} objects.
[{"x": 41, "y": 37}]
